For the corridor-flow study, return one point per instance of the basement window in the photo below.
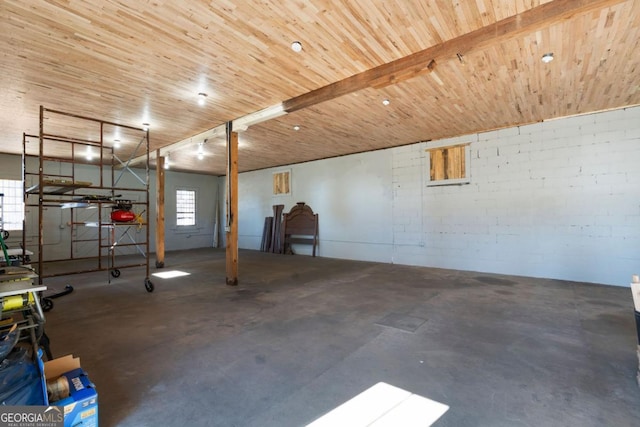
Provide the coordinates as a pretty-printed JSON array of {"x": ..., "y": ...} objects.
[
  {"x": 11, "y": 205},
  {"x": 185, "y": 208},
  {"x": 448, "y": 165}
]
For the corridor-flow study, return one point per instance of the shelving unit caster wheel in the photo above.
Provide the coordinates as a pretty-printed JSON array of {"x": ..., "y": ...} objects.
[
  {"x": 115, "y": 272},
  {"x": 47, "y": 304},
  {"x": 148, "y": 285}
]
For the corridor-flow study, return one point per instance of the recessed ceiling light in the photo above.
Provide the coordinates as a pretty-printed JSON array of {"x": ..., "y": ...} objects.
[
  {"x": 547, "y": 57},
  {"x": 386, "y": 102},
  {"x": 202, "y": 98},
  {"x": 296, "y": 46},
  {"x": 145, "y": 126},
  {"x": 116, "y": 143},
  {"x": 296, "y": 127}
]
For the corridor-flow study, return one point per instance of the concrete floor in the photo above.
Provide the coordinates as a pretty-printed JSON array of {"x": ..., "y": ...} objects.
[{"x": 301, "y": 335}]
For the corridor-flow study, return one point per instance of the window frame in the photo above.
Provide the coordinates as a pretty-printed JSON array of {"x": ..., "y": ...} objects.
[
  {"x": 289, "y": 182},
  {"x": 452, "y": 181},
  {"x": 16, "y": 201},
  {"x": 195, "y": 207}
]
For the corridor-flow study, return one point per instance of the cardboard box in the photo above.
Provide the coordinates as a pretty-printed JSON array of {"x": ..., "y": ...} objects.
[{"x": 81, "y": 406}]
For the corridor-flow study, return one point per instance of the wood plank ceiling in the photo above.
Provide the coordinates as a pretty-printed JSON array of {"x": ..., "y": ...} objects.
[{"x": 146, "y": 61}]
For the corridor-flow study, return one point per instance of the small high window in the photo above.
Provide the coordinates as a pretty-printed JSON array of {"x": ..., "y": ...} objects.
[
  {"x": 282, "y": 183},
  {"x": 449, "y": 165}
]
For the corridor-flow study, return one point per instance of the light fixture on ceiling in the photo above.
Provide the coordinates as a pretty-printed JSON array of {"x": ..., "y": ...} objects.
[
  {"x": 145, "y": 126},
  {"x": 116, "y": 143},
  {"x": 547, "y": 57},
  {"x": 386, "y": 102},
  {"x": 296, "y": 128},
  {"x": 202, "y": 98},
  {"x": 166, "y": 161},
  {"x": 296, "y": 46},
  {"x": 201, "y": 150}
]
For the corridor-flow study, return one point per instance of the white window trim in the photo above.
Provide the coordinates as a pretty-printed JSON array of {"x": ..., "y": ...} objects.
[
  {"x": 467, "y": 164},
  {"x": 19, "y": 201},
  {"x": 195, "y": 212}
]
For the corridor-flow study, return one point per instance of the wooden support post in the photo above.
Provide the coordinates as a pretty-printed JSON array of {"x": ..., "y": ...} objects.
[
  {"x": 232, "y": 206},
  {"x": 159, "y": 210}
]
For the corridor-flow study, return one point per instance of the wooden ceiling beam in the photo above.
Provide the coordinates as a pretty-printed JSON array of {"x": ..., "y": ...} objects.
[{"x": 423, "y": 61}]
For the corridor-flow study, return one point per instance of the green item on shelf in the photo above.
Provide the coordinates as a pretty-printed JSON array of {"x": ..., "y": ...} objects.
[{"x": 4, "y": 250}]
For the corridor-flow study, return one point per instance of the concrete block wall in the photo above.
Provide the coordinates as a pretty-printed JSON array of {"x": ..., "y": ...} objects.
[
  {"x": 351, "y": 194},
  {"x": 558, "y": 199},
  {"x": 207, "y": 198},
  {"x": 408, "y": 178}
]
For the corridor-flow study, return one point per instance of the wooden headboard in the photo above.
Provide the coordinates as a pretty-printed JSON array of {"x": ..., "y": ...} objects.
[{"x": 300, "y": 226}]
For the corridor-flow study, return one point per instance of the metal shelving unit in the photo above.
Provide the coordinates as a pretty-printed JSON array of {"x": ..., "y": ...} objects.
[{"x": 78, "y": 169}]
